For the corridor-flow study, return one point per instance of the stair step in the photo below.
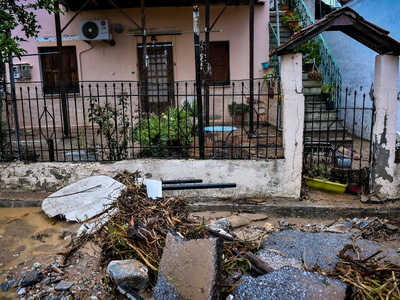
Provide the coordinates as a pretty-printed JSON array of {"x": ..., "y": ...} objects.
[
  {"x": 320, "y": 116},
  {"x": 312, "y": 83}
]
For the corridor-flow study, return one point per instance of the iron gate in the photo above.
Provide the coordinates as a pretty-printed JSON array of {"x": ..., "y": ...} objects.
[{"x": 338, "y": 140}]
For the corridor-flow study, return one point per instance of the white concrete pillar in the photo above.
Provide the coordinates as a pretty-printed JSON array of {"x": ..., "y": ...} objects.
[
  {"x": 386, "y": 81},
  {"x": 292, "y": 119}
]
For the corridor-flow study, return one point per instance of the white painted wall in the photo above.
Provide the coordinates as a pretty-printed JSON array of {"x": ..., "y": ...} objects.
[
  {"x": 254, "y": 178},
  {"x": 386, "y": 77},
  {"x": 356, "y": 61}
]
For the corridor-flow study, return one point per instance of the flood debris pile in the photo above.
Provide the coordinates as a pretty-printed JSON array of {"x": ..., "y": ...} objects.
[
  {"x": 138, "y": 247},
  {"x": 141, "y": 225}
]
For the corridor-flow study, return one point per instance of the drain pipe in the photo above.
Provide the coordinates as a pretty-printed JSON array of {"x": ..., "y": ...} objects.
[{"x": 80, "y": 60}]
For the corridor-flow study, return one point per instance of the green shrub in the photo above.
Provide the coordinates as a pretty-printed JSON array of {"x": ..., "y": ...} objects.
[
  {"x": 113, "y": 125},
  {"x": 156, "y": 134},
  {"x": 238, "y": 108}
]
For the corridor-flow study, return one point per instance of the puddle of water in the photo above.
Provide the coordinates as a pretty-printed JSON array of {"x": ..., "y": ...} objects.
[{"x": 32, "y": 236}]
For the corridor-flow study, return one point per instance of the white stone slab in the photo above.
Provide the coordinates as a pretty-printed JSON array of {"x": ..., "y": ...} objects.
[
  {"x": 83, "y": 199},
  {"x": 154, "y": 188}
]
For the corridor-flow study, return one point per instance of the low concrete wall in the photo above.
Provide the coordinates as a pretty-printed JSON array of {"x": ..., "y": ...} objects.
[{"x": 254, "y": 178}]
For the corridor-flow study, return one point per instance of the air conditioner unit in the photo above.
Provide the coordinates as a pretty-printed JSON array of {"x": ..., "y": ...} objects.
[{"x": 94, "y": 30}]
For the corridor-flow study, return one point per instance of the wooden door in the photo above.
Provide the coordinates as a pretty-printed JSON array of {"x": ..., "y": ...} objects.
[{"x": 160, "y": 77}]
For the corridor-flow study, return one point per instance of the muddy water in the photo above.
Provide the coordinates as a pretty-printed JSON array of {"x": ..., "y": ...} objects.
[{"x": 32, "y": 235}]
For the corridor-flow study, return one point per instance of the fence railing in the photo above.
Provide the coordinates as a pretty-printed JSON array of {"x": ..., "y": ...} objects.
[
  {"x": 273, "y": 43},
  {"x": 128, "y": 120}
]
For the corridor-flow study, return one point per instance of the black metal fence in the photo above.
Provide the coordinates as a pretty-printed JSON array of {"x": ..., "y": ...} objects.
[
  {"x": 337, "y": 139},
  {"x": 102, "y": 121}
]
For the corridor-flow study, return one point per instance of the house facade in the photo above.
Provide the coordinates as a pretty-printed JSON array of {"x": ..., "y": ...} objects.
[{"x": 170, "y": 44}]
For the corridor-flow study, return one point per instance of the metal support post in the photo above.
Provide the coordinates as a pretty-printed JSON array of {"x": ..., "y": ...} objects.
[{"x": 196, "y": 30}]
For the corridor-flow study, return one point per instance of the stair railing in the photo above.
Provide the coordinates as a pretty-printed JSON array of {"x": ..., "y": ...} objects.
[
  {"x": 273, "y": 43},
  {"x": 328, "y": 66}
]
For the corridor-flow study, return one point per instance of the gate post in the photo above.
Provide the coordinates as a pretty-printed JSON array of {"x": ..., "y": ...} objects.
[
  {"x": 292, "y": 119},
  {"x": 384, "y": 132}
]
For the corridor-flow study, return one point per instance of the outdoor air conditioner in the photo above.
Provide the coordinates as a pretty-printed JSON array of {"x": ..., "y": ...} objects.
[{"x": 94, "y": 30}]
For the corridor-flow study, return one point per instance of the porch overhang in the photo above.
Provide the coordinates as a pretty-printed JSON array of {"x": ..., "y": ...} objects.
[
  {"x": 75, "y": 5},
  {"x": 350, "y": 23}
]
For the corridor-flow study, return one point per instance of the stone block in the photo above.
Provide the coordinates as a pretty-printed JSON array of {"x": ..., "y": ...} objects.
[
  {"x": 189, "y": 269},
  {"x": 130, "y": 272}
]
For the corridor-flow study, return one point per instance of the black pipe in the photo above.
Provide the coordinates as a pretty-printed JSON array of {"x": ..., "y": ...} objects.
[
  {"x": 181, "y": 181},
  {"x": 198, "y": 186}
]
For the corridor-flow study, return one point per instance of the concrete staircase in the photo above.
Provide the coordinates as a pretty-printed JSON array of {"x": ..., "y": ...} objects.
[{"x": 320, "y": 123}]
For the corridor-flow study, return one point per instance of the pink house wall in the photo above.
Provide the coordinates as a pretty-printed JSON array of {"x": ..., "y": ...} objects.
[{"x": 104, "y": 62}]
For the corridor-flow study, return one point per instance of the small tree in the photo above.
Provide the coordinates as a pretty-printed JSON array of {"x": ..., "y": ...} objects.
[{"x": 17, "y": 12}]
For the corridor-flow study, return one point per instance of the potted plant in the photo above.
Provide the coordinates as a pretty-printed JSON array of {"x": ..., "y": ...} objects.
[
  {"x": 318, "y": 177},
  {"x": 312, "y": 56},
  {"x": 328, "y": 95},
  {"x": 315, "y": 74},
  {"x": 269, "y": 78},
  {"x": 291, "y": 20},
  {"x": 237, "y": 110}
]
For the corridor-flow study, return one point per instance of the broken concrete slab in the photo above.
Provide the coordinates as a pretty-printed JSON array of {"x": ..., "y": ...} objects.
[
  {"x": 189, "y": 269},
  {"x": 83, "y": 199},
  {"x": 322, "y": 248},
  {"x": 289, "y": 283},
  {"x": 276, "y": 260},
  {"x": 132, "y": 273}
]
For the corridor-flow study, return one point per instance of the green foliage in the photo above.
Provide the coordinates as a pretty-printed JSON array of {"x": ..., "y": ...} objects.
[
  {"x": 328, "y": 89},
  {"x": 113, "y": 124},
  {"x": 294, "y": 16},
  {"x": 191, "y": 108},
  {"x": 157, "y": 133},
  {"x": 238, "y": 108},
  {"x": 319, "y": 171},
  {"x": 310, "y": 50},
  {"x": 19, "y": 13},
  {"x": 5, "y": 145}
]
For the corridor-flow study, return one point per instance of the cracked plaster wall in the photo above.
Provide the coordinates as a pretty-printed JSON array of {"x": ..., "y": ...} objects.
[
  {"x": 384, "y": 172},
  {"x": 254, "y": 178}
]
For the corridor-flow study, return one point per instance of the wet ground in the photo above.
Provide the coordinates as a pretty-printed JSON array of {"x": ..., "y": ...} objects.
[{"x": 28, "y": 236}]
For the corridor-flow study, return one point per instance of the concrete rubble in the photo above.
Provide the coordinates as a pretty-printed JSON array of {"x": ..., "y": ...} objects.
[
  {"x": 322, "y": 249},
  {"x": 289, "y": 283},
  {"x": 131, "y": 272},
  {"x": 83, "y": 200},
  {"x": 189, "y": 269}
]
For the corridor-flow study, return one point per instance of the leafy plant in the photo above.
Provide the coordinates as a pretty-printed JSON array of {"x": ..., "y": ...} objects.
[
  {"x": 191, "y": 108},
  {"x": 319, "y": 171},
  {"x": 328, "y": 89},
  {"x": 238, "y": 108},
  {"x": 19, "y": 13},
  {"x": 397, "y": 153},
  {"x": 310, "y": 50},
  {"x": 158, "y": 133},
  {"x": 113, "y": 124},
  {"x": 294, "y": 16}
]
